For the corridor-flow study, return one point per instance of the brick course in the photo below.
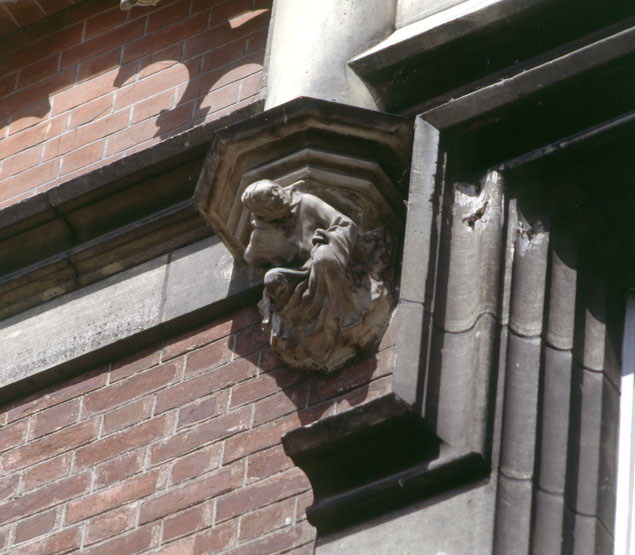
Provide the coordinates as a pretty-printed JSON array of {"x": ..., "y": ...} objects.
[
  {"x": 91, "y": 83},
  {"x": 142, "y": 455}
]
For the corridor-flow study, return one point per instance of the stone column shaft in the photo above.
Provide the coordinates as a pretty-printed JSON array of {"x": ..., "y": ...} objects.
[{"x": 312, "y": 43}]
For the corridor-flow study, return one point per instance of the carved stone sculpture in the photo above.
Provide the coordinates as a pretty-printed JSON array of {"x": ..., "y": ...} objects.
[
  {"x": 313, "y": 192},
  {"x": 329, "y": 291}
]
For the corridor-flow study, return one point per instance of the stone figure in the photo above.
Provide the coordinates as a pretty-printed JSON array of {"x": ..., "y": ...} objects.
[{"x": 328, "y": 294}]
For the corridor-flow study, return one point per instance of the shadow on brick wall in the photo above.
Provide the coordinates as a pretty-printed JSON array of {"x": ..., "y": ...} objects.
[
  {"x": 90, "y": 84},
  {"x": 283, "y": 391}
]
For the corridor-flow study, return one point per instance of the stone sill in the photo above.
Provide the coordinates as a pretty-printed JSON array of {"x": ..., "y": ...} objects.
[{"x": 373, "y": 459}]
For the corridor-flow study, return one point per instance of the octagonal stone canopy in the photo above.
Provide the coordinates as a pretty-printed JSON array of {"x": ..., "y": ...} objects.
[{"x": 354, "y": 159}]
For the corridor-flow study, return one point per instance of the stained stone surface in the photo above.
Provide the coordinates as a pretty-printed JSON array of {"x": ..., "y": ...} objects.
[
  {"x": 329, "y": 293},
  {"x": 329, "y": 230},
  {"x": 145, "y": 301},
  {"x": 456, "y": 524},
  {"x": 363, "y": 153},
  {"x": 312, "y": 43}
]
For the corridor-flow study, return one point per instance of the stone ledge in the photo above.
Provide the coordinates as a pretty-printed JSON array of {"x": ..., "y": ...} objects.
[
  {"x": 120, "y": 314},
  {"x": 373, "y": 459},
  {"x": 475, "y": 44}
]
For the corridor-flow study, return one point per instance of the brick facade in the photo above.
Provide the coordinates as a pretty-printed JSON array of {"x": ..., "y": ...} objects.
[
  {"x": 90, "y": 84},
  {"x": 498, "y": 423},
  {"x": 175, "y": 449}
]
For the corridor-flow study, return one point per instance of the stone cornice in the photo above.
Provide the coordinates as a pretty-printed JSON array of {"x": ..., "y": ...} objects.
[{"x": 474, "y": 44}]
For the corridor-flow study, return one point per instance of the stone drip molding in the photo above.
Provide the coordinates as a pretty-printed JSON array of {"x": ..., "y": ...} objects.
[{"x": 310, "y": 193}]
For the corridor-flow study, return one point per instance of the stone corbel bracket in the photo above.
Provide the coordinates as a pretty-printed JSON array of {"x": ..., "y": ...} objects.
[
  {"x": 345, "y": 160},
  {"x": 363, "y": 153}
]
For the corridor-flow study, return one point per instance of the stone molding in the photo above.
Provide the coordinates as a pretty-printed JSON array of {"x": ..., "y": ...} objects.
[
  {"x": 123, "y": 313},
  {"x": 373, "y": 459},
  {"x": 112, "y": 240},
  {"x": 473, "y": 361},
  {"x": 104, "y": 222},
  {"x": 520, "y": 364},
  {"x": 475, "y": 44}
]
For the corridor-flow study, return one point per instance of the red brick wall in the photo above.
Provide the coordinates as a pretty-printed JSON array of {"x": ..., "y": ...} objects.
[
  {"x": 91, "y": 83},
  {"x": 175, "y": 450}
]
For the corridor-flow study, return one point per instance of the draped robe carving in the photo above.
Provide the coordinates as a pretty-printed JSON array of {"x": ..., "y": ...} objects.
[{"x": 328, "y": 294}]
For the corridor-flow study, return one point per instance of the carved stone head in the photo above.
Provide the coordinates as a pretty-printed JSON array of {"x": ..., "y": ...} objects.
[{"x": 267, "y": 200}]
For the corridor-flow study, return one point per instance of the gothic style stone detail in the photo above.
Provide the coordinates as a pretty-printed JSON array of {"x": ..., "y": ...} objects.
[
  {"x": 312, "y": 193},
  {"x": 330, "y": 292}
]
